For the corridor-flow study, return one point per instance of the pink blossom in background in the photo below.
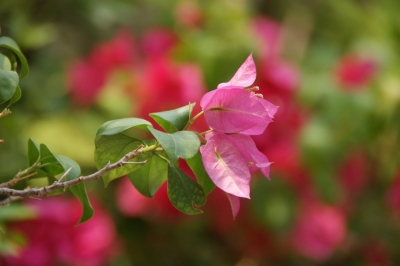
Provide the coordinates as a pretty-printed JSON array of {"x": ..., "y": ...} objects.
[
  {"x": 133, "y": 204},
  {"x": 268, "y": 32},
  {"x": 353, "y": 71},
  {"x": 157, "y": 42},
  {"x": 319, "y": 231},
  {"x": 129, "y": 201},
  {"x": 166, "y": 85},
  {"x": 86, "y": 77},
  {"x": 54, "y": 239}
]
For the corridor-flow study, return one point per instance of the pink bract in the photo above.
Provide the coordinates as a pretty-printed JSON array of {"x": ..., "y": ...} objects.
[
  {"x": 229, "y": 160},
  {"x": 232, "y": 109},
  {"x": 244, "y": 76}
]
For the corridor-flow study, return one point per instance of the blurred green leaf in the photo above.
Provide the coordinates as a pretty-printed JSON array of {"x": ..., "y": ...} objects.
[
  {"x": 16, "y": 96},
  {"x": 16, "y": 212},
  {"x": 183, "y": 144},
  {"x": 184, "y": 193},
  {"x": 173, "y": 120},
  {"x": 8, "y": 84},
  {"x": 78, "y": 190},
  {"x": 8, "y": 43},
  {"x": 110, "y": 149},
  {"x": 196, "y": 165},
  {"x": 114, "y": 127},
  {"x": 149, "y": 178}
]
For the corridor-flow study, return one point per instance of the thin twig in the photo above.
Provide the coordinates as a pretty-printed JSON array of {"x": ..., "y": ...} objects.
[
  {"x": 29, "y": 192},
  {"x": 16, "y": 179},
  {"x": 64, "y": 175}
]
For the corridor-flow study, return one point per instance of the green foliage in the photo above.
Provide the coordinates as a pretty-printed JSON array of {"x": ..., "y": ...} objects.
[
  {"x": 78, "y": 190},
  {"x": 149, "y": 178},
  {"x": 183, "y": 144},
  {"x": 11, "y": 61},
  {"x": 117, "y": 126},
  {"x": 46, "y": 163},
  {"x": 184, "y": 193},
  {"x": 174, "y": 120},
  {"x": 110, "y": 149},
  {"x": 196, "y": 165},
  {"x": 158, "y": 158}
]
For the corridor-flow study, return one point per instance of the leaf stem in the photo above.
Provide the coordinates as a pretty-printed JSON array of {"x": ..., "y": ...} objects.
[{"x": 190, "y": 122}]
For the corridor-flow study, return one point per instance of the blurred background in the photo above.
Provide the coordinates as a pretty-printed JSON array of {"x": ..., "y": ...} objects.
[{"x": 332, "y": 67}]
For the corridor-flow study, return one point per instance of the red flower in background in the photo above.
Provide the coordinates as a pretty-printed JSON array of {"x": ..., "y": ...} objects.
[
  {"x": 354, "y": 71},
  {"x": 86, "y": 77},
  {"x": 319, "y": 231},
  {"x": 54, "y": 239}
]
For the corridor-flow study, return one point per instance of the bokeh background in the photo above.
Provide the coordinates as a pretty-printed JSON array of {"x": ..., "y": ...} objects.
[{"x": 332, "y": 67}]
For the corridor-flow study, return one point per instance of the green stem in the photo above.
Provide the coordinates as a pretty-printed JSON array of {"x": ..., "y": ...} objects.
[{"x": 190, "y": 122}]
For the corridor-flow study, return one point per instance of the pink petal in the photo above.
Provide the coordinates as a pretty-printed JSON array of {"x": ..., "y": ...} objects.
[
  {"x": 235, "y": 204},
  {"x": 226, "y": 166},
  {"x": 244, "y": 76},
  {"x": 245, "y": 144},
  {"x": 236, "y": 110}
]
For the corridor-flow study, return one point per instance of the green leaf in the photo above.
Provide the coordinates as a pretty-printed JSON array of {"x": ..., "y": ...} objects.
[
  {"x": 5, "y": 62},
  {"x": 49, "y": 161},
  {"x": 174, "y": 120},
  {"x": 183, "y": 144},
  {"x": 114, "y": 127},
  {"x": 149, "y": 178},
  {"x": 33, "y": 152},
  {"x": 112, "y": 149},
  {"x": 7, "y": 43},
  {"x": 78, "y": 190},
  {"x": 16, "y": 96},
  {"x": 196, "y": 165},
  {"x": 8, "y": 84},
  {"x": 184, "y": 193}
]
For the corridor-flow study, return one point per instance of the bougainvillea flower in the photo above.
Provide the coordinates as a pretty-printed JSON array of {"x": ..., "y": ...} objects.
[
  {"x": 229, "y": 160},
  {"x": 354, "y": 71},
  {"x": 244, "y": 76},
  {"x": 232, "y": 109},
  {"x": 319, "y": 231}
]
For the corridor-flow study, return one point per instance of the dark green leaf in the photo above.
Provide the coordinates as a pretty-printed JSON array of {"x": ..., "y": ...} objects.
[
  {"x": 33, "y": 152},
  {"x": 184, "y": 193},
  {"x": 78, "y": 190},
  {"x": 174, "y": 120},
  {"x": 183, "y": 144},
  {"x": 114, "y": 127},
  {"x": 7, "y": 43},
  {"x": 112, "y": 149},
  {"x": 50, "y": 163},
  {"x": 196, "y": 165},
  {"x": 8, "y": 84},
  {"x": 149, "y": 178}
]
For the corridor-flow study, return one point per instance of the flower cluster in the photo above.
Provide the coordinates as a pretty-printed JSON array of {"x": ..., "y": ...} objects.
[{"x": 234, "y": 112}]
